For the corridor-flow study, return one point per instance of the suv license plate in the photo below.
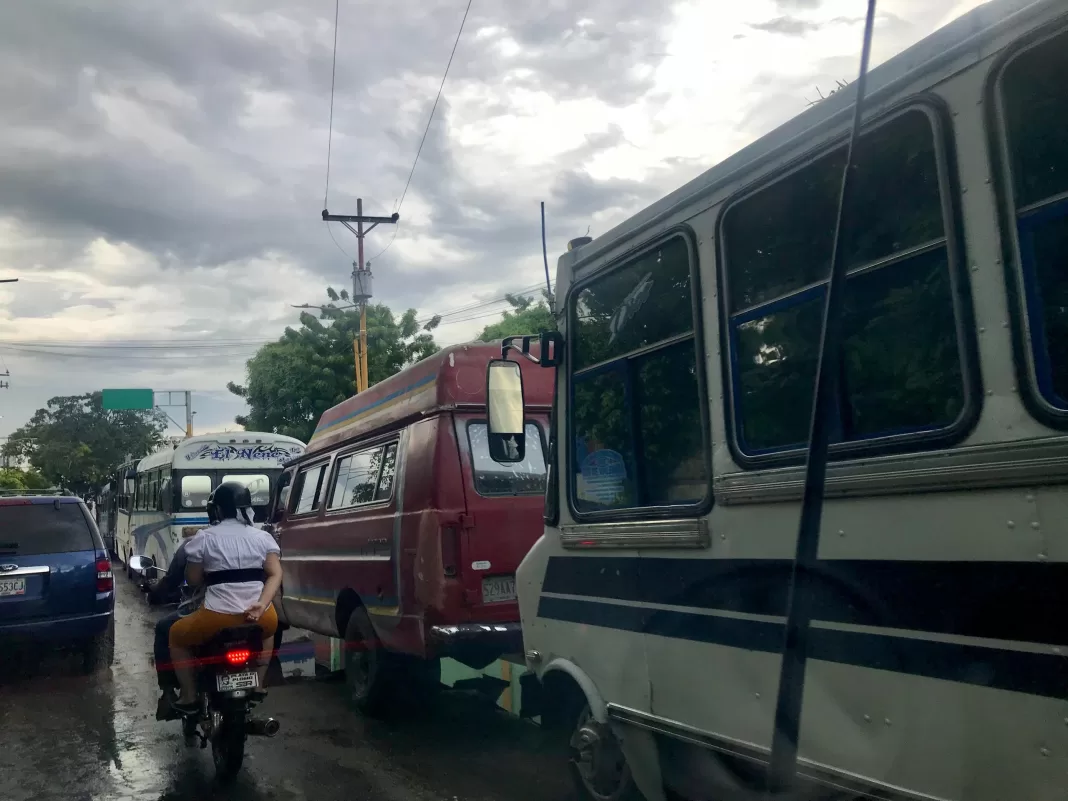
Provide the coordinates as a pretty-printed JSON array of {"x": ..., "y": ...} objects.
[
  {"x": 496, "y": 589},
  {"x": 12, "y": 586},
  {"x": 228, "y": 682}
]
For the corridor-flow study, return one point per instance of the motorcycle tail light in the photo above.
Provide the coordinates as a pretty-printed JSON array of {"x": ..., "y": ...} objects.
[
  {"x": 105, "y": 581},
  {"x": 238, "y": 656}
]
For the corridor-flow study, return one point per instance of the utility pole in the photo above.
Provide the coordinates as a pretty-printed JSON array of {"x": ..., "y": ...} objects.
[
  {"x": 188, "y": 413},
  {"x": 361, "y": 280},
  {"x": 7, "y": 373}
]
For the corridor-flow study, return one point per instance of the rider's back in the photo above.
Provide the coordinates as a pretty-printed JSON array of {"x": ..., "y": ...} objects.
[{"x": 231, "y": 545}]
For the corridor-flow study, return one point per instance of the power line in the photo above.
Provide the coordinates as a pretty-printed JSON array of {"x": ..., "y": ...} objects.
[
  {"x": 435, "y": 106},
  {"x": 330, "y": 131}
]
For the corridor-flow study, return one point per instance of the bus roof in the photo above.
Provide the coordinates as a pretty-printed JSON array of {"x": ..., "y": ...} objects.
[
  {"x": 237, "y": 449},
  {"x": 454, "y": 376},
  {"x": 961, "y": 40}
]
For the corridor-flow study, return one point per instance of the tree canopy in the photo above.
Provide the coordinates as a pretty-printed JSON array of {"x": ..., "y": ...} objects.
[
  {"x": 291, "y": 382},
  {"x": 12, "y": 478},
  {"x": 525, "y": 317},
  {"x": 75, "y": 443}
]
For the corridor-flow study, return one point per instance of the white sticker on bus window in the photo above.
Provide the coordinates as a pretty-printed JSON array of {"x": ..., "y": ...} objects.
[
  {"x": 480, "y": 565},
  {"x": 602, "y": 477}
]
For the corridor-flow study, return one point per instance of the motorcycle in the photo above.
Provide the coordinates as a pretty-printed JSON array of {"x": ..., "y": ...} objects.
[{"x": 226, "y": 681}]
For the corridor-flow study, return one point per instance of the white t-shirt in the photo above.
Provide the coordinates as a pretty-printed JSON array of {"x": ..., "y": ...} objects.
[{"x": 231, "y": 545}]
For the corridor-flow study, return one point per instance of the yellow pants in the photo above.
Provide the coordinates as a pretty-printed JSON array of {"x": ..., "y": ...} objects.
[{"x": 199, "y": 627}]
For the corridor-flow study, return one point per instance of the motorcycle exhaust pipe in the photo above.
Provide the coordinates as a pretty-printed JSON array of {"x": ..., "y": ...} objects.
[{"x": 262, "y": 728}]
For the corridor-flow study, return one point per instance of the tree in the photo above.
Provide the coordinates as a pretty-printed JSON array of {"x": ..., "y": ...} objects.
[
  {"x": 291, "y": 382},
  {"x": 12, "y": 478},
  {"x": 75, "y": 443},
  {"x": 525, "y": 317}
]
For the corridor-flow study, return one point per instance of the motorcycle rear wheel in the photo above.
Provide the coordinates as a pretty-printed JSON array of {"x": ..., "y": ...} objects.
[{"x": 228, "y": 746}]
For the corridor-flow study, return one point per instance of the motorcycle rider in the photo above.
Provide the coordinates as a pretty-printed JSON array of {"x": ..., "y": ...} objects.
[
  {"x": 239, "y": 564},
  {"x": 162, "y": 591}
]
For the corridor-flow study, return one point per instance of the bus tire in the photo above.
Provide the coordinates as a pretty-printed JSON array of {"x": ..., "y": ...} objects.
[
  {"x": 370, "y": 670},
  {"x": 596, "y": 762}
]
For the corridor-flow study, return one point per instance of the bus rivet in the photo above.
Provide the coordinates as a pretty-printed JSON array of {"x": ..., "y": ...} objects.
[
  {"x": 722, "y": 536},
  {"x": 1030, "y": 497},
  {"x": 887, "y": 721},
  {"x": 1034, "y": 525},
  {"x": 1042, "y": 557},
  {"x": 975, "y": 268},
  {"x": 982, "y": 329},
  {"x": 533, "y": 656},
  {"x": 867, "y": 718},
  {"x": 997, "y": 261},
  {"x": 1011, "y": 524},
  {"x": 841, "y": 532},
  {"x": 963, "y": 190},
  {"x": 756, "y": 695},
  {"x": 986, "y": 181},
  {"x": 990, "y": 393},
  {"x": 1043, "y": 751},
  {"x": 1005, "y": 324}
]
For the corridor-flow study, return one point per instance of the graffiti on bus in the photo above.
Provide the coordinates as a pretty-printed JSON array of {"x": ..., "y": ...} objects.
[{"x": 217, "y": 452}]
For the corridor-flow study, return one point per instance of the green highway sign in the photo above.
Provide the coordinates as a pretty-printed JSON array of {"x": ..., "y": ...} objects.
[{"x": 126, "y": 399}]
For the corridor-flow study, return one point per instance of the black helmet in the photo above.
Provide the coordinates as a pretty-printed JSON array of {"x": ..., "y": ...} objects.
[{"x": 227, "y": 501}]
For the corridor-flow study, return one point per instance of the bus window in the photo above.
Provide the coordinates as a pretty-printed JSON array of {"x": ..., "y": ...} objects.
[
  {"x": 1035, "y": 115},
  {"x": 636, "y": 419},
  {"x": 195, "y": 491},
  {"x": 259, "y": 486},
  {"x": 901, "y": 370}
]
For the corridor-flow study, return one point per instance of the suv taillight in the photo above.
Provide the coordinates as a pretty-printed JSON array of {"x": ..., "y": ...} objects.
[{"x": 105, "y": 581}]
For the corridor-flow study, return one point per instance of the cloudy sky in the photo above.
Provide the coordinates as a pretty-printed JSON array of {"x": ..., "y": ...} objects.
[{"x": 163, "y": 165}]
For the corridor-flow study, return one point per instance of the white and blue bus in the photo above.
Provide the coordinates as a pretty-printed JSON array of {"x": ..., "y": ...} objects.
[{"x": 168, "y": 494}]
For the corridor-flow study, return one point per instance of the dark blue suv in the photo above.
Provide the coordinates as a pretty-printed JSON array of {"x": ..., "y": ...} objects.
[{"x": 56, "y": 586}]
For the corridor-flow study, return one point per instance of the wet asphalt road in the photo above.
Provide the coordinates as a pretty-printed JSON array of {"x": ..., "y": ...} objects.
[{"x": 64, "y": 736}]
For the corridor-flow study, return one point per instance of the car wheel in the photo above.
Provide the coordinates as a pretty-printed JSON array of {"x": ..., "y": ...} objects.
[
  {"x": 370, "y": 670},
  {"x": 99, "y": 653}
]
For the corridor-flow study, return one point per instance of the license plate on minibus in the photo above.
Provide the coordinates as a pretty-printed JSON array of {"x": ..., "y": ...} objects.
[
  {"x": 12, "y": 586},
  {"x": 498, "y": 588},
  {"x": 229, "y": 682}
]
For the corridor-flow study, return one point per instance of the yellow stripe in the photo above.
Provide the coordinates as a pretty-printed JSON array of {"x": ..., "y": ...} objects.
[
  {"x": 506, "y": 696},
  {"x": 391, "y": 611}
]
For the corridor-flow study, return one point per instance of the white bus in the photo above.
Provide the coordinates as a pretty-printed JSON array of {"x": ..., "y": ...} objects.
[
  {"x": 653, "y": 607},
  {"x": 168, "y": 496}
]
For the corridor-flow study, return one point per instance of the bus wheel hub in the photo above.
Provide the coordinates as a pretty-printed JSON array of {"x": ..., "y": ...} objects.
[{"x": 598, "y": 756}]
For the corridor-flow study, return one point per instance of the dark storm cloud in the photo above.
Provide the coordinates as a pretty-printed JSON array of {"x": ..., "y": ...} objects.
[{"x": 79, "y": 80}]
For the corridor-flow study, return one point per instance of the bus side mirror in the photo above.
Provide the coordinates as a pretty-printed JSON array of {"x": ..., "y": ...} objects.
[{"x": 504, "y": 405}]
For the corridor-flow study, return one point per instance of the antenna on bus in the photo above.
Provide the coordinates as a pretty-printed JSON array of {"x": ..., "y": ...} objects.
[{"x": 782, "y": 767}]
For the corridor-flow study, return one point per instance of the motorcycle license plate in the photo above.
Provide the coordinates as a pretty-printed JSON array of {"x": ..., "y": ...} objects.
[{"x": 228, "y": 682}]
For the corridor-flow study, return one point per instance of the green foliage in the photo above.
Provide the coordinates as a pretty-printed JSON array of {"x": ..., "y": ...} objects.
[
  {"x": 12, "y": 478},
  {"x": 75, "y": 443},
  {"x": 525, "y": 317},
  {"x": 291, "y": 382}
]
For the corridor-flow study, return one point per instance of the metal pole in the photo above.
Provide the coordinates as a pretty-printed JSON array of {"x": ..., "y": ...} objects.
[
  {"x": 363, "y": 304},
  {"x": 545, "y": 258},
  {"x": 782, "y": 766},
  {"x": 188, "y": 413}
]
